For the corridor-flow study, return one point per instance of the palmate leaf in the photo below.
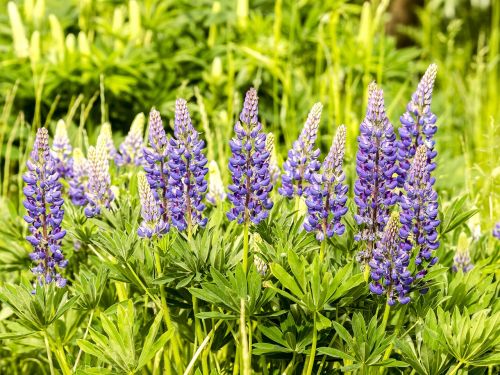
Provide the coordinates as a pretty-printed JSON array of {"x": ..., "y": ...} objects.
[
  {"x": 37, "y": 311},
  {"x": 455, "y": 215},
  {"x": 119, "y": 343},
  {"x": 422, "y": 358}
]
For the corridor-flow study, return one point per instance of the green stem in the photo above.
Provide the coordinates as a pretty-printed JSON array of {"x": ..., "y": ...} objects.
[
  {"x": 313, "y": 347},
  {"x": 245, "y": 247},
  {"x": 84, "y": 337},
  {"x": 455, "y": 369},
  {"x": 245, "y": 352},
  {"x": 386, "y": 315},
  {"x": 198, "y": 334},
  {"x": 201, "y": 347},
  {"x": 49, "y": 354},
  {"x": 388, "y": 352},
  {"x": 174, "y": 343},
  {"x": 288, "y": 369},
  {"x": 322, "y": 250},
  {"x": 61, "y": 359}
]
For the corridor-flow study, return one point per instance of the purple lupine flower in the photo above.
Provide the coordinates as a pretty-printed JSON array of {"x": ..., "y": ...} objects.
[
  {"x": 187, "y": 170},
  {"x": 418, "y": 126},
  {"x": 326, "y": 196},
  {"x": 496, "y": 230},
  {"x": 461, "y": 260},
  {"x": 419, "y": 213},
  {"x": 79, "y": 178},
  {"x": 274, "y": 168},
  {"x": 98, "y": 192},
  {"x": 106, "y": 137},
  {"x": 249, "y": 192},
  {"x": 302, "y": 159},
  {"x": 61, "y": 150},
  {"x": 44, "y": 202},
  {"x": 216, "y": 192},
  {"x": 152, "y": 222},
  {"x": 130, "y": 151},
  {"x": 156, "y": 163},
  {"x": 389, "y": 265},
  {"x": 376, "y": 168}
]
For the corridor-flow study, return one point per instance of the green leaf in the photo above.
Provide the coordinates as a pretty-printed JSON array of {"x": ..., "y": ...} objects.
[{"x": 336, "y": 353}]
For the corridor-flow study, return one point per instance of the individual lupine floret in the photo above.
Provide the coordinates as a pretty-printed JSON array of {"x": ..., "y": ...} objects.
[
  {"x": 274, "y": 168},
  {"x": 419, "y": 213},
  {"x": 461, "y": 260},
  {"x": 44, "y": 202},
  {"x": 216, "y": 192},
  {"x": 98, "y": 193},
  {"x": 326, "y": 196},
  {"x": 389, "y": 265},
  {"x": 152, "y": 222},
  {"x": 130, "y": 151},
  {"x": 249, "y": 166},
  {"x": 376, "y": 168},
  {"x": 106, "y": 137},
  {"x": 496, "y": 230},
  {"x": 79, "y": 178},
  {"x": 61, "y": 150},
  {"x": 302, "y": 159},
  {"x": 418, "y": 126},
  {"x": 187, "y": 170}
]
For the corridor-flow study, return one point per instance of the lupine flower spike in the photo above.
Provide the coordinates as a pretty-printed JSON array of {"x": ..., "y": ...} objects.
[
  {"x": 79, "y": 178},
  {"x": 249, "y": 192},
  {"x": 419, "y": 213},
  {"x": 389, "y": 265},
  {"x": 274, "y": 168},
  {"x": 152, "y": 222},
  {"x": 216, "y": 192},
  {"x": 418, "y": 126},
  {"x": 130, "y": 151},
  {"x": 98, "y": 192},
  {"x": 326, "y": 197},
  {"x": 376, "y": 168},
  {"x": 461, "y": 260},
  {"x": 302, "y": 159},
  {"x": 156, "y": 163},
  {"x": 45, "y": 214},
  {"x": 61, "y": 150},
  {"x": 106, "y": 137},
  {"x": 187, "y": 167}
]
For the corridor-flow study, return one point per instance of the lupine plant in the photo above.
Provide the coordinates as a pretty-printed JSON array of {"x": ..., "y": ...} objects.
[{"x": 144, "y": 260}]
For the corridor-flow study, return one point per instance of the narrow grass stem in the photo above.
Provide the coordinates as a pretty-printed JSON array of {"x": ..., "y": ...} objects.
[
  {"x": 84, "y": 337},
  {"x": 49, "y": 354},
  {"x": 310, "y": 364},
  {"x": 174, "y": 344},
  {"x": 322, "y": 250},
  {"x": 190, "y": 366},
  {"x": 245, "y": 352}
]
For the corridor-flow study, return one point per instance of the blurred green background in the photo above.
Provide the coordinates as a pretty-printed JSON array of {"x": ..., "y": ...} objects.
[{"x": 90, "y": 61}]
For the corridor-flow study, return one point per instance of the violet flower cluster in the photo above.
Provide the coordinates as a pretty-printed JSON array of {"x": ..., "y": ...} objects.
[
  {"x": 61, "y": 150},
  {"x": 152, "y": 222},
  {"x": 249, "y": 166},
  {"x": 302, "y": 159},
  {"x": 187, "y": 170},
  {"x": 130, "y": 151},
  {"x": 418, "y": 126},
  {"x": 461, "y": 260},
  {"x": 79, "y": 179},
  {"x": 419, "y": 211},
  {"x": 376, "y": 168},
  {"x": 156, "y": 163},
  {"x": 326, "y": 196},
  {"x": 496, "y": 230},
  {"x": 44, "y": 205},
  {"x": 106, "y": 137},
  {"x": 98, "y": 191},
  {"x": 389, "y": 265}
]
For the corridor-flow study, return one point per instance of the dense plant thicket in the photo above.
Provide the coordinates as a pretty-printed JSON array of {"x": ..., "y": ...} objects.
[{"x": 144, "y": 262}]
